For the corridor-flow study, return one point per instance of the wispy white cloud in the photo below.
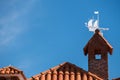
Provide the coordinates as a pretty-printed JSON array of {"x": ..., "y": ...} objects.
[
  {"x": 24, "y": 64},
  {"x": 11, "y": 24},
  {"x": 9, "y": 28}
]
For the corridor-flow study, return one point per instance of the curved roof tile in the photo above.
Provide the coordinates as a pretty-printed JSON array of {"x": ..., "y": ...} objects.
[{"x": 65, "y": 71}]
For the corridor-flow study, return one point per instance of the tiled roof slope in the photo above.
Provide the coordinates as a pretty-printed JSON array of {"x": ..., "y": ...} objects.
[
  {"x": 10, "y": 70},
  {"x": 65, "y": 71}
]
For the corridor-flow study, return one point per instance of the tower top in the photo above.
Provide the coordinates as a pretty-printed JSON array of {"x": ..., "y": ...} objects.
[
  {"x": 97, "y": 44},
  {"x": 97, "y": 50}
]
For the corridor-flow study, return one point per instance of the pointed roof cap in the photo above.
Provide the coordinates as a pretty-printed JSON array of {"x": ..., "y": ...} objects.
[{"x": 98, "y": 42}]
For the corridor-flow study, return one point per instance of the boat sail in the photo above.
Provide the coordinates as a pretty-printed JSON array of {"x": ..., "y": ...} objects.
[
  {"x": 96, "y": 25},
  {"x": 92, "y": 25}
]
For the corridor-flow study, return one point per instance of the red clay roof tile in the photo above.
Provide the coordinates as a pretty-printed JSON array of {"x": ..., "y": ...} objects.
[
  {"x": 10, "y": 70},
  {"x": 65, "y": 71}
]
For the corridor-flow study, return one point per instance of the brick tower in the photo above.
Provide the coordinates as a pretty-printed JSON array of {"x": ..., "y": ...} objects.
[{"x": 97, "y": 49}]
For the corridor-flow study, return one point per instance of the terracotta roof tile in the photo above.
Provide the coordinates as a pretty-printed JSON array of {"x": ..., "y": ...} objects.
[
  {"x": 11, "y": 70},
  {"x": 65, "y": 71}
]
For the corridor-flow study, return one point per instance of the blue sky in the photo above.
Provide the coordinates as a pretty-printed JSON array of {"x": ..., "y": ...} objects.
[{"x": 36, "y": 35}]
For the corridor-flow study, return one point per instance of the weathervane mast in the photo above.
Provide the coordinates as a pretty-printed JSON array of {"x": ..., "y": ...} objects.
[
  {"x": 93, "y": 24},
  {"x": 97, "y": 13}
]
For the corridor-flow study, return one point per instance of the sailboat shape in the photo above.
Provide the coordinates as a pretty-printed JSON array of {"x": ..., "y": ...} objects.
[
  {"x": 92, "y": 25},
  {"x": 95, "y": 24}
]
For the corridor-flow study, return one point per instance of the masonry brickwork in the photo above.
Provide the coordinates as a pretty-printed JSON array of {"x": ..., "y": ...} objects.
[{"x": 99, "y": 67}]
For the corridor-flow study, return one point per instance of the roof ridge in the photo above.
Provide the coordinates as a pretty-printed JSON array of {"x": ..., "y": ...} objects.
[
  {"x": 51, "y": 69},
  {"x": 58, "y": 66},
  {"x": 94, "y": 75},
  {"x": 105, "y": 40},
  {"x": 65, "y": 66},
  {"x": 11, "y": 70},
  {"x": 10, "y": 66}
]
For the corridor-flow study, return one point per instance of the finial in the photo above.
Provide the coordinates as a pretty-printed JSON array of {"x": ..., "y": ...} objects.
[
  {"x": 97, "y": 31},
  {"x": 93, "y": 24}
]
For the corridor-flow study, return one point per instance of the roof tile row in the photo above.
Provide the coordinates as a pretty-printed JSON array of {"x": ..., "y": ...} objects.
[
  {"x": 9, "y": 70},
  {"x": 65, "y": 71}
]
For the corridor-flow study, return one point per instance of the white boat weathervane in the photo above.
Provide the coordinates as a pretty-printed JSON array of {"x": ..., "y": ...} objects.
[{"x": 93, "y": 24}]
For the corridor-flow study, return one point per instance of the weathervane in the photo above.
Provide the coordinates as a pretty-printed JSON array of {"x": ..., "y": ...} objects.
[{"x": 93, "y": 24}]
